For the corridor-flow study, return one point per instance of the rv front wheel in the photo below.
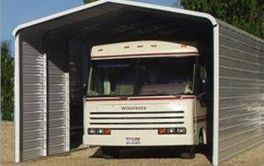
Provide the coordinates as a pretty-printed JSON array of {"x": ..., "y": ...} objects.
[
  {"x": 201, "y": 140},
  {"x": 110, "y": 152},
  {"x": 190, "y": 154},
  {"x": 187, "y": 155}
]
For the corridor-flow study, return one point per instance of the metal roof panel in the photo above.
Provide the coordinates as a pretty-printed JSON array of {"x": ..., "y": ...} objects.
[{"x": 123, "y": 2}]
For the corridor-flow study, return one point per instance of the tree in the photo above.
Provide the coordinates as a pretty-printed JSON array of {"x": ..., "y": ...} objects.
[
  {"x": 88, "y": 1},
  {"x": 7, "y": 82},
  {"x": 246, "y": 14}
]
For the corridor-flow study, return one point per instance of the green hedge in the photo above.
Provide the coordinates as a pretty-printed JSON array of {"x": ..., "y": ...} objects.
[{"x": 7, "y": 83}]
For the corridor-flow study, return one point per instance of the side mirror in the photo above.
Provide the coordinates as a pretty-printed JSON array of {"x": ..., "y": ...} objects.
[{"x": 203, "y": 85}]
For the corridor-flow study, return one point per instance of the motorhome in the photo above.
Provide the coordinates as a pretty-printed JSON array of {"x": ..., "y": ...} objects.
[{"x": 146, "y": 93}]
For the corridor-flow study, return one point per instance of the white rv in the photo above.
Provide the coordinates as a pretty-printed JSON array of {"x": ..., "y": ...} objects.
[{"x": 145, "y": 93}]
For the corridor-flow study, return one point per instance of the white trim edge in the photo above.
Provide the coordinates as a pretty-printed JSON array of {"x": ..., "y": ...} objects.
[
  {"x": 216, "y": 97},
  {"x": 17, "y": 99},
  {"x": 67, "y": 110},
  {"x": 45, "y": 108}
]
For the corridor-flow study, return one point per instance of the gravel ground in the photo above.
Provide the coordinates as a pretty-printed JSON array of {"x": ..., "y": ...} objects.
[{"x": 140, "y": 157}]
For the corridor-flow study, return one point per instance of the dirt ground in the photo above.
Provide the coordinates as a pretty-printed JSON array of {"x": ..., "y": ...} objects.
[{"x": 138, "y": 157}]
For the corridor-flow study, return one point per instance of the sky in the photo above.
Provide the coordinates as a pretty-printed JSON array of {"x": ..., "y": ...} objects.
[{"x": 16, "y": 12}]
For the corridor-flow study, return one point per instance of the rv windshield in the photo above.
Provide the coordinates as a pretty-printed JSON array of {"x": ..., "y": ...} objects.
[{"x": 142, "y": 76}]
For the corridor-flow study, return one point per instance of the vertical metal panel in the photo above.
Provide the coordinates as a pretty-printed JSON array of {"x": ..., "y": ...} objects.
[
  {"x": 58, "y": 98},
  {"x": 241, "y": 112},
  {"x": 32, "y": 106}
]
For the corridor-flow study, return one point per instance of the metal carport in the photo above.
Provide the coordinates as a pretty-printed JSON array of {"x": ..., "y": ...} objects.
[{"x": 52, "y": 55}]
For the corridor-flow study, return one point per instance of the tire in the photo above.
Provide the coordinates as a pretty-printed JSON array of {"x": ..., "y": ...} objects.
[
  {"x": 110, "y": 152},
  {"x": 190, "y": 154},
  {"x": 201, "y": 140},
  {"x": 187, "y": 155}
]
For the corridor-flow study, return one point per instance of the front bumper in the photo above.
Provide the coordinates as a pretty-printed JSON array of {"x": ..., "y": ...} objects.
[{"x": 144, "y": 137}]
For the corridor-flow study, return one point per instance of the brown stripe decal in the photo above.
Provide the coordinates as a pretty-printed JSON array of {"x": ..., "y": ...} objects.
[
  {"x": 158, "y": 98},
  {"x": 202, "y": 118}
]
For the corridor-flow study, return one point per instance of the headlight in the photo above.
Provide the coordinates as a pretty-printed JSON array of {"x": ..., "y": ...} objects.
[
  {"x": 95, "y": 131},
  {"x": 100, "y": 131},
  {"x": 91, "y": 131},
  {"x": 181, "y": 130},
  {"x": 178, "y": 130}
]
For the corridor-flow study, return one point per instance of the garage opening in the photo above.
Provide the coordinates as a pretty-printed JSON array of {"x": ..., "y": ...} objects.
[{"x": 54, "y": 57}]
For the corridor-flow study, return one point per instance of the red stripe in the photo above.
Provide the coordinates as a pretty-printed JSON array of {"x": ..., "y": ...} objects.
[
  {"x": 189, "y": 97},
  {"x": 201, "y": 120},
  {"x": 202, "y": 116},
  {"x": 158, "y": 98},
  {"x": 103, "y": 99}
]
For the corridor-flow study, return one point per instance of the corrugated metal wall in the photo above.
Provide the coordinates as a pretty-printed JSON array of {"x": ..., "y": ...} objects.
[
  {"x": 33, "y": 99},
  {"x": 44, "y": 97},
  {"x": 58, "y": 96},
  {"x": 241, "y": 112}
]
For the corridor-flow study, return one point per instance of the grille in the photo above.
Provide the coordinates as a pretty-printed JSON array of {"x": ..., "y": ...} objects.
[{"x": 146, "y": 119}]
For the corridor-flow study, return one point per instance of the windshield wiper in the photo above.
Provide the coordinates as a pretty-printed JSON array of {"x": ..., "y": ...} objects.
[{"x": 161, "y": 93}]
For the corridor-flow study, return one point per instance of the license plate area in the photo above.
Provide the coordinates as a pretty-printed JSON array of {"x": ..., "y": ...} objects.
[{"x": 133, "y": 140}]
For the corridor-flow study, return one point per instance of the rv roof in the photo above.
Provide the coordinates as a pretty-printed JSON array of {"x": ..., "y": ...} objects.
[{"x": 142, "y": 49}]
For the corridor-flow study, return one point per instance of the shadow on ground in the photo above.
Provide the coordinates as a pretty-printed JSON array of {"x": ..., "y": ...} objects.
[{"x": 152, "y": 152}]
